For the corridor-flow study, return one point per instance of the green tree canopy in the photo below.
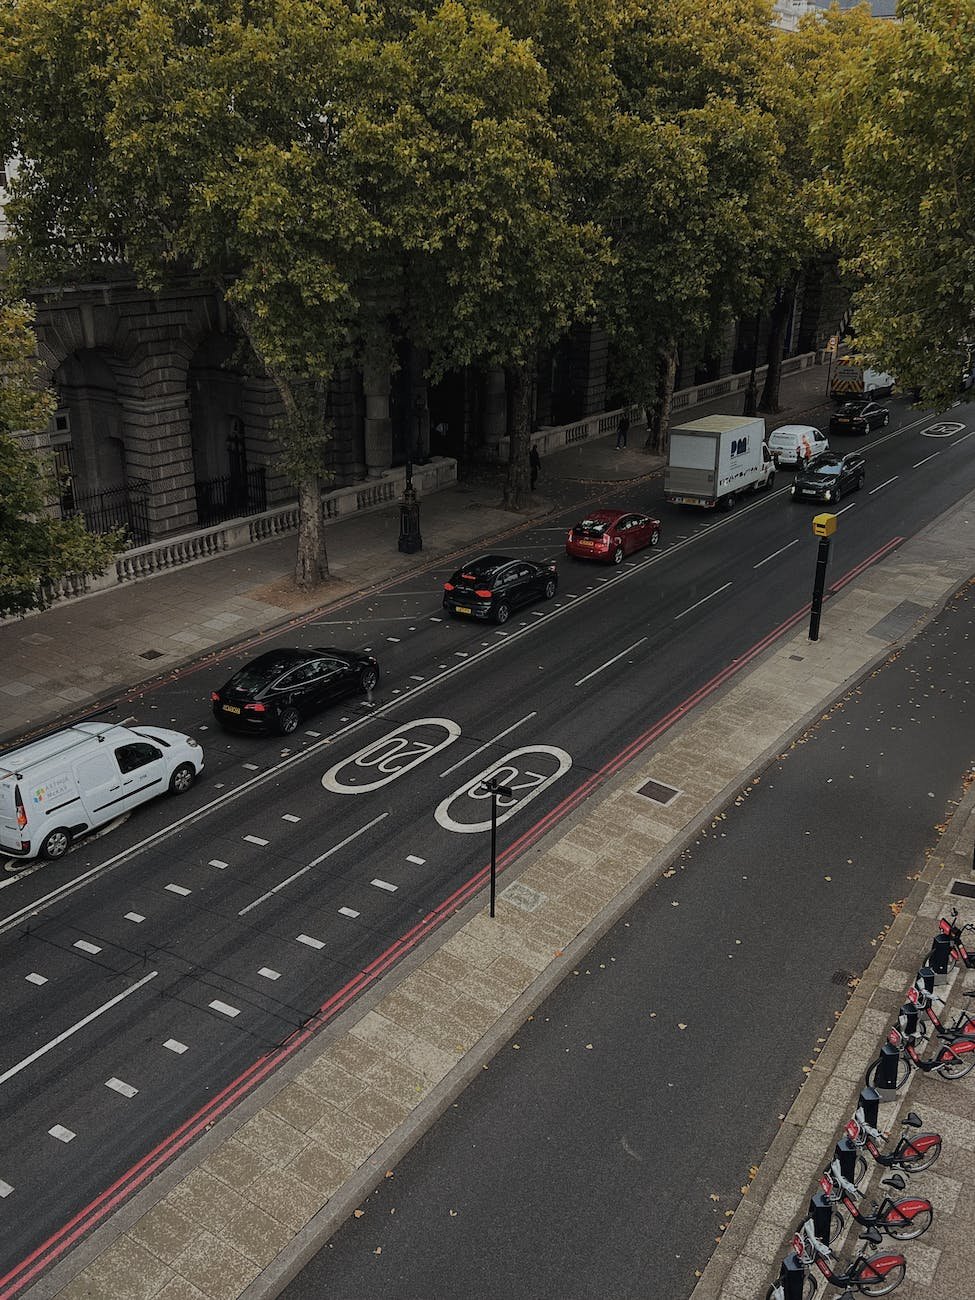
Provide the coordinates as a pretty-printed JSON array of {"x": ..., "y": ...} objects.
[
  {"x": 36, "y": 548},
  {"x": 896, "y": 137}
]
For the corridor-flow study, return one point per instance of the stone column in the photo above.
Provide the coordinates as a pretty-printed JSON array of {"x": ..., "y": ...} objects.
[
  {"x": 377, "y": 427},
  {"x": 158, "y": 449}
]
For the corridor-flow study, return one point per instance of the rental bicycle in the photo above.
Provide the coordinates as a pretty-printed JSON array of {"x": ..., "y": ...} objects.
[
  {"x": 903, "y": 1220},
  {"x": 913, "y": 1153}
]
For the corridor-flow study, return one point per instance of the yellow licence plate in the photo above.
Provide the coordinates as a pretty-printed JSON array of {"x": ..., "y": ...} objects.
[
  {"x": 231, "y": 708},
  {"x": 463, "y": 609}
]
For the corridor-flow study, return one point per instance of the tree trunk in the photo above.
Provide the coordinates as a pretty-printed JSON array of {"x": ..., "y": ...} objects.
[
  {"x": 311, "y": 562},
  {"x": 778, "y": 324},
  {"x": 516, "y": 488},
  {"x": 658, "y": 429}
]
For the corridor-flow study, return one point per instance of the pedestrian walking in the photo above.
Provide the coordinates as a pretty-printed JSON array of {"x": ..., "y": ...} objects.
[
  {"x": 535, "y": 461},
  {"x": 622, "y": 429}
]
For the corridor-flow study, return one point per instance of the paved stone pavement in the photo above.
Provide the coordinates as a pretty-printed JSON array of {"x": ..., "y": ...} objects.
[{"x": 258, "y": 1193}]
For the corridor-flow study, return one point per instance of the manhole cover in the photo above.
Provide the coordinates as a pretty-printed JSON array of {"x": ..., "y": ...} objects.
[
  {"x": 151, "y": 654},
  {"x": 963, "y": 888},
  {"x": 658, "y": 792}
]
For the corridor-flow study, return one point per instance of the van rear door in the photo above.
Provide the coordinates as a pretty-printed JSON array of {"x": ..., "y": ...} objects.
[{"x": 10, "y": 832}]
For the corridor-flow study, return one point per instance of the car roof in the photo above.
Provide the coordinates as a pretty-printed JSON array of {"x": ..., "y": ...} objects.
[
  {"x": 825, "y": 458},
  {"x": 796, "y": 428},
  {"x": 606, "y": 516},
  {"x": 278, "y": 661},
  {"x": 487, "y": 564},
  {"x": 857, "y": 406}
]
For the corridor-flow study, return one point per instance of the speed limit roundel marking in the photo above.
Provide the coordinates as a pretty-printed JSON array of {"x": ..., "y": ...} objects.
[
  {"x": 526, "y": 772},
  {"x": 391, "y": 756},
  {"x": 943, "y": 429}
]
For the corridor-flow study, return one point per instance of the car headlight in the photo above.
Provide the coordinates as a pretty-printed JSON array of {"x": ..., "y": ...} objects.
[
  {"x": 193, "y": 744},
  {"x": 828, "y": 494}
]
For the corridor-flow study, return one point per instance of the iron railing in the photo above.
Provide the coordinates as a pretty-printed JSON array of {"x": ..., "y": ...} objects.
[{"x": 231, "y": 497}]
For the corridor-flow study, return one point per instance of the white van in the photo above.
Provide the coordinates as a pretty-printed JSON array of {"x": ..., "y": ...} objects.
[
  {"x": 59, "y": 787},
  {"x": 785, "y": 442}
]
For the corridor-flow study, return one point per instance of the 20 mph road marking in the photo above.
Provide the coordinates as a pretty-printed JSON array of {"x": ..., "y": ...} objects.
[{"x": 86, "y": 1020}]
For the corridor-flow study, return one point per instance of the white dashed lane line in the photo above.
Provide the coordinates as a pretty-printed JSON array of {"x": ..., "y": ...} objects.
[
  {"x": 255, "y": 839},
  {"x": 174, "y": 1045},
  {"x": 290, "y": 817},
  {"x": 710, "y": 596},
  {"x": 34, "y": 978},
  {"x": 615, "y": 659},
  {"x": 880, "y": 486},
  {"x": 917, "y": 464},
  {"x": 419, "y": 862},
  {"x": 384, "y": 884},
  {"x": 61, "y": 1133},
  {"x": 80, "y": 1024},
  {"x": 179, "y": 889},
  {"x": 215, "y": 862},
  {"x": 310, "y": 942},
  {"x": 119, "y": 1086},
  {"x": 136, "y": 917},
  {"x": 91, "y": 948},
  {"x": 480, "y": 750},
  {"x": 5, "y": 1189},
  {"x": 350, "y": 912},
  {"x": 314, "y": 863},
  {"x": 269, "y": 974},
  {"x": 794, "y": 542},
  {"x": 224, "y": 1008}
]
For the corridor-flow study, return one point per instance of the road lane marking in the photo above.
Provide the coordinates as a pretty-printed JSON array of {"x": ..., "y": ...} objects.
[
  {"x": 919, "y": 463},
  {"x": 844, "y": 510},
  {"x": 417, "y": 861},
  {"x": 255, "y": 839},
  {"x": 118, "y": 1085},
  {"x": 135, "y": 917},
  {"x": 310, "y": 942},
  {"x": 303, "y": 938},
  {"x": 91, "y": 948},
  {"x": 886, "y": 483},
  {"x": 384, "y": 884},
  {"x": 174, "y": 1045},
  {"x": 80, "y": 1024},
  {"x": 5, "y": 1189},
  {"x": 794, "y": 542},
  {"x": 225, "y": 1009},
  {"x": 349, "y": 912},
  {"x": 609, "y": 662},
  {"x": 34, "y": 978},
  {"x": 480, "y": 750},
  {"x": 61, "y": 1133},
  {"x": 290, "y": 817},
  {"x": 508, "y": 772},
  {"x": 215, "y": 862},
  {"x": 962, "y": 439},
  {"x": 269, "y": 974},
  {"x": 701, "y": 601},
  {"x": 178, "y": 889}
]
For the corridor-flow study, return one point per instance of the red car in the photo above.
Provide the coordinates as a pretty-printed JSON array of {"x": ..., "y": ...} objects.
[{"x": 608, "y": 535}]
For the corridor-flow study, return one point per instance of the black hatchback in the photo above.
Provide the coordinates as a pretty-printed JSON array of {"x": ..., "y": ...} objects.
[
  {"x": 828, "y": 476},
  {"x": 859, "y": 417},
  {"x": 492, "y": 586},
  {"x": 276, "y": 690}
]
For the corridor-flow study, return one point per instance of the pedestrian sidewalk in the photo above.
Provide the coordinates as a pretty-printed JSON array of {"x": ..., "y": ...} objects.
[
  {"x": 64, "y": 661},
  {"x": 263, "y": 1187}
]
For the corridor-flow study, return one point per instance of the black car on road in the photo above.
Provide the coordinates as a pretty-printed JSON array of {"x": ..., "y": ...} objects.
[
  {"x": 494, "y": 585},
  {"x": 828, "y": 476},
  {"x": 859, "y": 417},
  {"x": 276, "y": 690}
]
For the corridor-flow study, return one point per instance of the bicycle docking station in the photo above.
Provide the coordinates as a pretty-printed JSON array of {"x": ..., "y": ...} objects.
[
  {"x": 885, "y": 1081},
  {"x": 938, "y": 959}
]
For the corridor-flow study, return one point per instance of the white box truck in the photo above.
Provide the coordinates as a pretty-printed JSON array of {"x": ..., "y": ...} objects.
[{"x": 713, "y": 460}]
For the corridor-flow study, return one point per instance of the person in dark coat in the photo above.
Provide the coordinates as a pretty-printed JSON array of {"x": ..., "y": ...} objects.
[
  {"x": 622, "y": 429},
  {"x": 535, "y": 461}
]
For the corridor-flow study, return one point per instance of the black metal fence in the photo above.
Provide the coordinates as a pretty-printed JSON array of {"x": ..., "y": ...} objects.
[
  {"x": 231, "y": 496},
  {"x": 126, "y": 506}
]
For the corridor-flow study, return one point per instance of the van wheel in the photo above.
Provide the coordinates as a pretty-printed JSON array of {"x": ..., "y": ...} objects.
[
  {"x": 729, "y": 501},
  {"x": 56, "y": 844},
  {"x": 182, "y": 779},
  {"x": 771, "y": 482}
]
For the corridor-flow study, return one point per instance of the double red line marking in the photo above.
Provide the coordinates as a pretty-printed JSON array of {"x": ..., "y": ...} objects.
[{"x": 13, "y": 1282}]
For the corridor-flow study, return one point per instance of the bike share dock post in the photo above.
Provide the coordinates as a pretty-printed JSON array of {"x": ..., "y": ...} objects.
[
  {"x": 939, "y": 957},
  {"x": 792, "y": 1278},
  {"x": 908, "y": 1018},
  {"x": 846, "y": 1153},
  {"x": 870, "y": 1105},
  {"x": 885, "y": 1081},
  {"x": 821, "y": 1212}
]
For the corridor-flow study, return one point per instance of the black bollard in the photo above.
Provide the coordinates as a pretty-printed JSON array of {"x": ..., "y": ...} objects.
[{"x": 870, "y": 1105}]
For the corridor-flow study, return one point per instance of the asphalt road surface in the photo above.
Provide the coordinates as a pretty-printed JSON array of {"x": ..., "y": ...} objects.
[
  {"x": 599, "y": 1154},
  {"x": 151, "y": 968}
]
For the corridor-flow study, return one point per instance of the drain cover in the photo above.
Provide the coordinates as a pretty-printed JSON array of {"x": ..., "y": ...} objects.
[
  {"x": 151, "y": 654},
  {"x": 963, "y": 888},
  {"x": 658, "y": 792},
  {"x": 842, "y": 977}
]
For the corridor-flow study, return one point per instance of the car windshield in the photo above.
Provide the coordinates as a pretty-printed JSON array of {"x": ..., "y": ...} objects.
[
  {"x": 253, "y": 676},
  {"x": 595, "y": 526},
  {"x": 852, "y": 408},
  {"x": 824, "y": 468}
]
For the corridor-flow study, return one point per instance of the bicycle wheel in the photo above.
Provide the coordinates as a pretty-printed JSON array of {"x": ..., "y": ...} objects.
[
  {"x": 890, "y": 1281},
  {"x": 808, "y": 1289},
  {"x": 915, "y": 1160},
  {"x": 903, "y": 1070},
  {"x": 952, "y": 1065},
  {"x": 904, "y": 1229},
  {"x": 836, "y": 1225}
]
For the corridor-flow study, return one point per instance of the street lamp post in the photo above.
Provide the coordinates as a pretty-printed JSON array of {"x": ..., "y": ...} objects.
[
  {"x": 497, "y": 791},
  {"x": 410, "y": 540}
]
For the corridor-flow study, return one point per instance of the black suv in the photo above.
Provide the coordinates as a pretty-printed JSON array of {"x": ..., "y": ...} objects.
[
  {"x": 494, "y": 585},
  {"x": 828, "y": 476}
]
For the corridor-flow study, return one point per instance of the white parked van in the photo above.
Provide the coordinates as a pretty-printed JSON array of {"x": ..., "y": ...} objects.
[
  {"x": 61, "y": 786},
  {"x": 785, "y": 442}
]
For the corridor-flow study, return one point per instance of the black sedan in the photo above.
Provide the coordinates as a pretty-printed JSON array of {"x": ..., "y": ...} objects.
[
  {"x": 276, "y": 690},
  {"x": 827, "y": 477},
  {"x": 859, "y": 417},
  {"x": 494, "y": 585}
]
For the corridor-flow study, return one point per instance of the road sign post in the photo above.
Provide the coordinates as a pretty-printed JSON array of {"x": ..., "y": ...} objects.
[
  {"x": 824, "y": 526},
  {"x": 831, "y": 352},
  {"x": 497, "y": 791}
]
